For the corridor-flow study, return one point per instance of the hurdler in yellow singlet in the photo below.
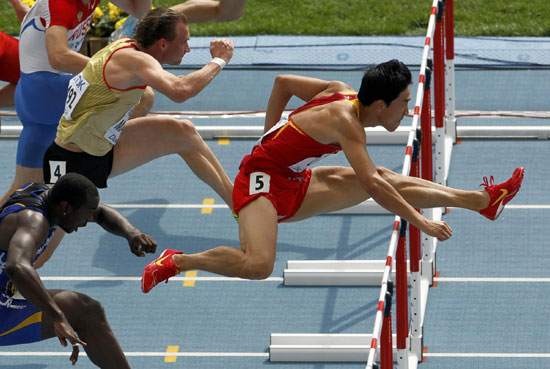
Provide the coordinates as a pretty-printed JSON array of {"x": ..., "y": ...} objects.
[{"x": 96, "y": 112}]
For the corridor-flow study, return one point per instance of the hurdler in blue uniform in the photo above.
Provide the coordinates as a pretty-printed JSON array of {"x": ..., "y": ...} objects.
[
  {"x": 28, "y": 311},
  {"x": 20, "y": 321}
]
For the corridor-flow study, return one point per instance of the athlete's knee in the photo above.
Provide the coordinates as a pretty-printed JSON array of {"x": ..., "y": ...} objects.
[
  {"x": 184, "y": 128},
  {"x": 257, "y": 267},
  {"x": 188, "y": 136},
  {"x": 83, "y": 308}
]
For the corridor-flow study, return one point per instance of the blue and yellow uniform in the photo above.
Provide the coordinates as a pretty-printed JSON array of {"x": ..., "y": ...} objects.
[{"x": 20, "y": 321}]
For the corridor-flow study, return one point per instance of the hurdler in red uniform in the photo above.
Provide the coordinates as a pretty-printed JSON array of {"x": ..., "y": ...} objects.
[
  {"x": 277, "y": 168},
  {"x": 274, "y": 183}
]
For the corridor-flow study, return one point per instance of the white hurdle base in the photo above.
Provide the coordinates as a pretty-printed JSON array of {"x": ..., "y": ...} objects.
[
  {"x": 288, "y": 347},
  {"x": 336, "y": 272}
]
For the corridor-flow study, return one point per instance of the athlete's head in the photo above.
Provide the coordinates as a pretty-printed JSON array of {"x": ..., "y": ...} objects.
[
  {"x": 387, "y": 86},
  {"x": 164, "y": 32},
  {"x": 76, "y": 198}
]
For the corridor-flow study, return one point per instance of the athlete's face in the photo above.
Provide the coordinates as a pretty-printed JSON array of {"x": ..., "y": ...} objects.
[
  {"x": 178, "y": 47},
  {"x": 391, "y": 116},
  {"x": 79, "y": 217}
]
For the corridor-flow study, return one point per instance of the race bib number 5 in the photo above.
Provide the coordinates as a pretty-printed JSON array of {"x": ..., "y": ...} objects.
[
  {"x": 77, "y": 86},
  {"x": 259, "y": 183}
]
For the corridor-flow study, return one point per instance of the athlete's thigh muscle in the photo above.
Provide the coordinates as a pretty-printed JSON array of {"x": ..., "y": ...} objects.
[{"x": 330, "y": 189}]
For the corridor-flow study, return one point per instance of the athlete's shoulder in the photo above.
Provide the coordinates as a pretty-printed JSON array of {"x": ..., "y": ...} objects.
[{"x": 339, "y": 87}]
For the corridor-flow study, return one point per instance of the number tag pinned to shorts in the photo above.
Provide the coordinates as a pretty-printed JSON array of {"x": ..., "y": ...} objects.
[
  {"x": 259, "y": 183},
  {"x": 57, "y": 169},
  {"x": 77, "y": 86}
]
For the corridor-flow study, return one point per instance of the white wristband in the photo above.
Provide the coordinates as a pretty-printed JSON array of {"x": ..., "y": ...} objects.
[{"x": 219, "y": 61}]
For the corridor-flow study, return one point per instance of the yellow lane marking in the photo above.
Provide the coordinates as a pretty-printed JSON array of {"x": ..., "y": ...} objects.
[
  {"x": 206, "y": 209},
  {"x": 223, "y": 141},
  {"x": 171, "y": 358},
  {"x": 190, "y": 282}
]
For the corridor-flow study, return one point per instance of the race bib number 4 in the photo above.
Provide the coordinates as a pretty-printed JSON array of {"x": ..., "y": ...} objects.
[
  {"x": 57, "y": 169},
  {"x": 259, "y": 183},
  {"x": 77, "y": 86}
]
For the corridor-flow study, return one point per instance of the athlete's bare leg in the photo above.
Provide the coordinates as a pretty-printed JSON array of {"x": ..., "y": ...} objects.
[
  {"x": 335, "y": 188},
  {"x": 88, "y": 319},
  {"x": 330, "y": 189},
  {"x": 149, "y": 138},
  {"x": 254, "y": 260},
  {"x": 200, "y": 11},
  {"x": 23, "y": 175}
]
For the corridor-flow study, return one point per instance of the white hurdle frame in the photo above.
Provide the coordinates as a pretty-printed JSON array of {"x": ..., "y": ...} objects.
[{"x": 292, "y": 347}]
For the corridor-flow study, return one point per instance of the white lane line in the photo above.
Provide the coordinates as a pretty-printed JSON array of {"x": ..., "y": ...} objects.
[
  {"x": 266, "y": 354},
  {"x": 281, "y": 279},
  {"x": 224, "y": 206},
  {"x": 142, "y": 354},
  {"x": 518, "y": 207},
  {"x": 486, "y": 354},
  {"x": 203, "y": 279},
  {"x": 481, "y": 279},
  {"x": 166, "y": 206}
]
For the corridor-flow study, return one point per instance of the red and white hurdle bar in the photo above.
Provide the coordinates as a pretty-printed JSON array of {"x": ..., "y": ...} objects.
[{"x": 342, "y": 347}]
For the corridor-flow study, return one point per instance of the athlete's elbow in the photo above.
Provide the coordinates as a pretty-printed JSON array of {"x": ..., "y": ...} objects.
[
  {"x": 180, "y": 96},
  {"x": 58, "y": 61},
  {"x": 55, "y": 62}
]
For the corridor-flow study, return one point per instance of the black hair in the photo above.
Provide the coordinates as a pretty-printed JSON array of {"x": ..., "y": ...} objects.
[
  {"x": 385, "y": 82},
  {"x": 158, "y": 23},
  {"x": 73, "y": 188}
]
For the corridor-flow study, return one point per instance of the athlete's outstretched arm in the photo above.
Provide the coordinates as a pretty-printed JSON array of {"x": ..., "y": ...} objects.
[
  {"x": 351, "y": 137},
  {"x": 114, "y": 222},
  {"x": 149, "y": 70},
  {"x": 32, "y": 229},
  {"x": 288, "y": 85}
]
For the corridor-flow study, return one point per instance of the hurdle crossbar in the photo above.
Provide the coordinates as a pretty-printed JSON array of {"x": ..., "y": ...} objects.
[{"x": 374, "y": 135}]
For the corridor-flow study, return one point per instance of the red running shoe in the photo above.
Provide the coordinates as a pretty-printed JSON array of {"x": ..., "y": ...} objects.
[
  {"x": 159, "y": 270},
  {"x": 501, "y": 194}
]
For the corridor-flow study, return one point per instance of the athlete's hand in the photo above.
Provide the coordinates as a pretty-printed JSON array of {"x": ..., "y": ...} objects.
[
  {"x": 438, "y": 229},
  {"x": 222, "y": 48},
  {"x": 64, "y": 332},
  {"x": 141, "y": 243}
]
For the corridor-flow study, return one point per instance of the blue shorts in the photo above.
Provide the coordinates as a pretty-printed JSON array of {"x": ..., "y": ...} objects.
[
  {"x": 39, "y": 102},
  {"x": 20, "y": 322}
]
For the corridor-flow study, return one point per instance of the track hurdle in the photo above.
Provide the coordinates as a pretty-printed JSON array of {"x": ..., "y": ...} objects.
[{"x": 408, "y": 350}]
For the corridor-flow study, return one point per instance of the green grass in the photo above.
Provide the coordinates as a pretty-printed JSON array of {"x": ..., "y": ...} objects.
[{"x": 364, "y": 18}]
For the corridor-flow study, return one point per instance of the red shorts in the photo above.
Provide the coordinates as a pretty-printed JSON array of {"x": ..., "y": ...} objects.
[
  {"x": 9, "y": 58},
  {"x": 286, "y": 194}
]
